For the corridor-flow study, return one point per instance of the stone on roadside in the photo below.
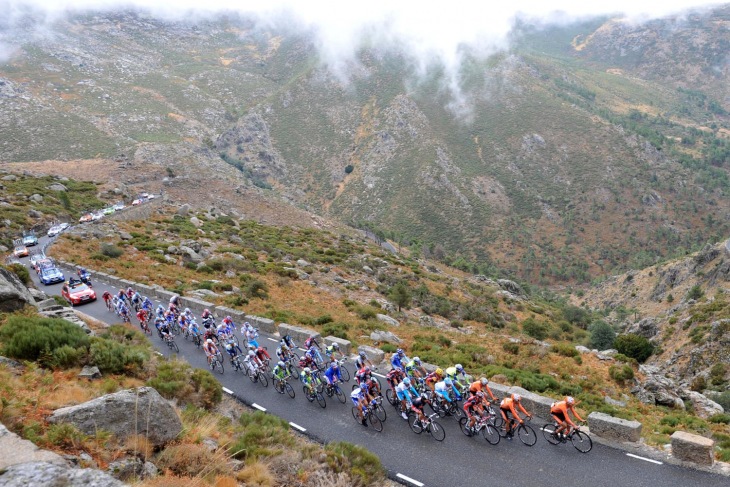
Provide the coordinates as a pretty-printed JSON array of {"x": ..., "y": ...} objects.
[{"x": 89, "y": 372}]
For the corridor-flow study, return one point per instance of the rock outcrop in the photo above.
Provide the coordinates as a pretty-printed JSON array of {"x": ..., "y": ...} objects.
[
  {"x": 15, "y": 450},
  {"x": 54, "y": 475},
  {"x": 135, "y": 411},
  {"x": 13, "y": 294}
]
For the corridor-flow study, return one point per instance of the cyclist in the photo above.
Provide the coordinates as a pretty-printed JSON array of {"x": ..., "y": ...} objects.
[
  {"x": 283, "y": 352},
  {"x": 362, "y": 361},
  {"x": 442, "y": 389},
  {"x": 286, "y": 340},
  {"x": 454, "y": 374},
  {"x": 473, "y": 408},
  {"x": 332, "y": 350},
  {"x": 433, "y": 378},
  {"x": 142, "y": 317},
  {"x": 107, "y": 296},
  {"x": 232, "y": 349},
  {"x": 160, "y": 311},
  {"x": 165, "y": 331},
  {"x": 308, "y": 380},
  {"x": 224, "y": 331},
  {"x": 405, "y": 392},
  {"x": 228, "y": 322},
  {"x": 394, "y": 377},
  {"x": 84, "y": 275},
  {"x": 251, "y": 336},
  {"x": 418, "y": 404},
  {"x": 559, "y": 411},
  {"x": 261, "y": 353},
  {"x": 121, "y": 295},
  {"x": 370, "y": 384},
  {"x": 481, "y": 385},
  {"x": 510, "y": 414},
  {"x": 358, "y": 399},
  {"x": 311, "y": 342},
  {"x": 136, "y": 300},
  {"x": 252, "y": 362},
  {"x": 415, "y": 369},
  {"x": 194, "y": 328},
  {"x": 210, "y": 351},
  {"x": 399, "y": 360},
  {"x": 280, "y": 371},
  {"x": 206, "y": 314},
  {"x": 332, "y": 375},
  {"x": 174, "y": 301},
  {"x": 147, "y": 305},
  {"x": 123, "y": 311}
]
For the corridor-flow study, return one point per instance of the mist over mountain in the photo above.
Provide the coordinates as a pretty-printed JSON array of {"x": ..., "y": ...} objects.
[{"x": 552, "y": 151}]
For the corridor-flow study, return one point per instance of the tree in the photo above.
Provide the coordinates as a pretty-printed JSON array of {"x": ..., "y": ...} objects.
[
  {"x": 634, "y": 346},
  {"x": 400, "y": 294},
  {"x": 602, "y": 335},
  {"x": 695, "y": 292}
]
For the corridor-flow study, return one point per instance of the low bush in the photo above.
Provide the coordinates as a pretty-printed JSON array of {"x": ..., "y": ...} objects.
[
  {"x": 621, "y": 373},
  {"x": 113, "y": 357},
  {"x": 264, "y": 435},
  {"x": 364, "y": 466},
  {"x": 110, "y": 250},
  {"x": 564, "y": 349},
  {"x": 172, "y": 380},
  {"x": 388, "y": 348},
  {"x": 513, "y": 348},
  {"x": 338, "y": 330},
  {"x": 191, "y": 460},
  {"x": 21, "y": 271},
  {"x": 27, "y": 338},
  {"x": 634, "y": 346},
  {"x": 257, "y": 289},
  {"x": 208, "y": 389},
  {"x": 366, "y": 312},
  {"x": 64, "y": 435},
  {"x": 535, "y": 329},
  {"x": 720, "y": 418}
]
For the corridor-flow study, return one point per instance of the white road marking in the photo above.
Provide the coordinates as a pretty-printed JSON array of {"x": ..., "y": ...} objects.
[
  {"x": 409, "y": 480},
  {"x": 294, "y": 425},
  {"x": 158, "y": 353},
  {"x": 272, "y": 339},
  {"x": 643, "y": 458},
  {"x": 379, "y": 375},
  {"x": 258, "y": 407},
  {"x": 227, "y": 391}
]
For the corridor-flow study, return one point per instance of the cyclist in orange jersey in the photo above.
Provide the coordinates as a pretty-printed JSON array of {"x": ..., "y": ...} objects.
[{"x": 559, "y": 411}]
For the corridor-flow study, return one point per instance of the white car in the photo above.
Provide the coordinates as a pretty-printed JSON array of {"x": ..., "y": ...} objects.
[
  {"x": 136, "y": 202},
  {"x": 97, "y": 216},
  {"x": 54, "y": 230},
  {"x": 119, "y": 206},
  {"x": 150, "y": 196}
]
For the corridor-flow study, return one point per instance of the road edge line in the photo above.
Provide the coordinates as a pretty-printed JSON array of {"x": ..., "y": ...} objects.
[
  {"x": 260, "y": 408},
  {"x": 410, "y": 480},
  {"x": 294, "y": 425},
  {"x": 227, "y": 391},
  {"x": 644, "y": 458}
]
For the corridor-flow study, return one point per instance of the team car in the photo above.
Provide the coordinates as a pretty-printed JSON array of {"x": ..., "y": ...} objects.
[
  {"x": 76, "y": 292},
  {"x": 109, "y": 210},
  {"x": 30, "y": 240},
  {"x": 50, "y": 275},
  {"x": 86, "y": 218},
  {"x": 20, "y": 251}
]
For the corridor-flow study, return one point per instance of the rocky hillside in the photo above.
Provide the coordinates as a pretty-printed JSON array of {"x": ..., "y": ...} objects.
[{"x": 557, "y": 167}]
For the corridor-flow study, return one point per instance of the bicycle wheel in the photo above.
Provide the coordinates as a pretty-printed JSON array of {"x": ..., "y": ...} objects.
[
  {"x": 375, "y": 422},
  {"x": 379, "y": 411},
  {"x": 218, "y": 366},
  {"x": 173, "y": 346},
  {"x": 293, "y": 370},
  {"x": 289, "y": 389},
  {"x": 527, "y": 434},
  {"x": 436, "y": 430},
  {"x": 548, "y": 432},
  {"x": 196, "y": 340},
  {"x": 581, "y": 441},
  {"x": 254, "y": 376},
  {"x": 263, "y": 380},
  {"x": 279, "y": 385},
  {"x": 345, "y": 373},
  {"x": 464, "y": 426},
  {"x": 390, "y": 396},
  {"x": 497, "y": 421},
  {"x": 415, "y": 424},
  {"x": 490, "y": 434},
  {"x": 310, "y": 397},
  {"x": 456, "y": 412},
  {"x": 329, "y": 391},
  {"x": 340, "y": 395},
  {"x": 321, "y": 400}
]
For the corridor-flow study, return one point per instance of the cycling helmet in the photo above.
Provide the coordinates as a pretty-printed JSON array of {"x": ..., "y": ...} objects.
[
  {"x": 335, "y": 365},
  {"x": 459, "y": 367},
  {"x": 399, "y": 351},
  {"x": 480, "y": 394},
  {"x": 416, "y": 360},
  {"x": 307, "y": 370},
  {"x": 280, "y": 363},
  {"x": 407, "y": 381},
  {"x": 251, "y": 353},
  {"x": 187, "y": 311},
  {"x": 448, "y": 381},
  {"x": 335, "y": 346},
  {"x": 209, "y": 340},
  {"x": 206, "y": 311},
  {"x": 516, "y": 397},
  {"x": 366, "y": 370},
  {"x": 569, "y": 400},
  {"x": 440, "y": 371},
  {"x": 484, "y": 381},
  {"x": 362, "y": 354}
]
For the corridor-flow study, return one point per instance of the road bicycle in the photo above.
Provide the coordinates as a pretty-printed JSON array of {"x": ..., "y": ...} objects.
[
  {"x": 215, "y": 363},
  {"x": 257, "y": 375},
  {"x": 446, "y": 408},
  {"x": 312, "y": 392},
  {"x": 428, "y": 424},
  {"x": 343, "y": 370},
  {"x": 580, "y": 440},
  {"x": 484, "y": 425},
  {"x": 370, "y": 417},
  {"x": 524, "y": 432},
  {"x": 334, "y": 390},
  {"x": 281, "y": 385},
  {"x": 236, "y": 363},
  {"x": 170, "y": 341}
]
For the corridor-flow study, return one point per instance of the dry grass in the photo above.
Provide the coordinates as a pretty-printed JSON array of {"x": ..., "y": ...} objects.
[
  {"x": 256, "y": 474},
  {"x": 67, "y": 394},
  {"x": 173, "y": 481},
  {"x": 138, "y": 445}
]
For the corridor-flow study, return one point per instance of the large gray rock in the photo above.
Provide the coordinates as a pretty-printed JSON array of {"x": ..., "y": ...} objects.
[
  {"x": 375, "y": 355},
  {"x": 13, "y": 294},
  {"x": 648, "y": 328},
  {"x": 57, "y": 187},
  {"x": 129, "y": 469},
  {"x": 387, "y": 320},
  {"x": 55, "y": 475},
  {"x": 15, "y": 450},
  {"x": 191, "y": 254},
  {"x": 384, "y": 336},
  {"x": 703, "y": 406},
  {"x": 511, "y": 287},
  {"x": 125, "y": 413}
]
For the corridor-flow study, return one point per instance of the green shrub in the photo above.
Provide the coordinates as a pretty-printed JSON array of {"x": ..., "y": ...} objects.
[
  {"x": 110, "y": 250},
  {"x": 513, "y": 348},
  {"x": 360, "y": 463},
  {"x": 113, "y": 357},
  {"x": 209, "y": 390},
  {"x": 264, "y": 435},
  {"x": 535, "y": 329},
  {"x": 388, "y": 348},
  {"x": 172, "y": 380},
  {"x": 634, "y": 346},
  {"x": 695, "y": 292},
  {"x": 21, "y": 271},
  {"x": 323, "y": 320},
  {"x": 366, "y": 312},
  {"x": 621, "y": 373},
  {"x": 27, "y": 338},
  {"x": 64, "y": 435},
  {"x": 717, "y": 374},
  {"x": 602, "y": 335},
  {"x": 67, "y": 356},
  {"x": 257, "y": 289},
  {"x": 720, "y": 418},
  {"x": 564, "y": 349},
  {"x": 338, "y": 330}
]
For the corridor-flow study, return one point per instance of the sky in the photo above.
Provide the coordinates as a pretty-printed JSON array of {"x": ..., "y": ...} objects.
[{"x": 429, "y": 31}]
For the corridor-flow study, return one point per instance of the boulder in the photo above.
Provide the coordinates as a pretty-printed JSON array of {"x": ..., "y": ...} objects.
[
  {"x": 689, "y": 448},
  {"x": 703, "y": 406},
  {"x": 196, "y": 222},
  {"x": 130, "y": 469},
  {"x": 46, "y": 304},
  {"x": 183, "y": 210},
  {"x": 54, "y": 475},
  {"x": 10, "y": 177},
  {"x": 303, "y": 263},
  {"x": 375, "y": 355},
  {"x": 387, "y": 320},
  {"x": 345, "y": 345},
  {"x": 89, "y": 372},
  {"x": 15, "y": 450},
  {"x": 190, "y": 254},
  {"x": 35, "y": 198},
  {"x": 582, "y": 349},
  {"x": 57, "y": 187},
  {"x": 367, "y": 269},
  {"x": 134, "y": 411},
  {"x": 648, "y": 328},
  {"x": 657, "y": 389},
  {"x": 511, "y": 287},
  {"x": 13, "y": 294},
  {"x": 384, "y": 336},
  {"x": 35, "y": 214},
  {"x": 125, "y": 235}
]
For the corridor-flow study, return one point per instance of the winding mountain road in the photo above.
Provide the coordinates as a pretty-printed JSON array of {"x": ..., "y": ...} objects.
[{"x": 419, "y": 460}]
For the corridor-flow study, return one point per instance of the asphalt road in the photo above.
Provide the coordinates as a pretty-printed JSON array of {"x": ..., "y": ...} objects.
[{"x": 418, "y": 457}]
